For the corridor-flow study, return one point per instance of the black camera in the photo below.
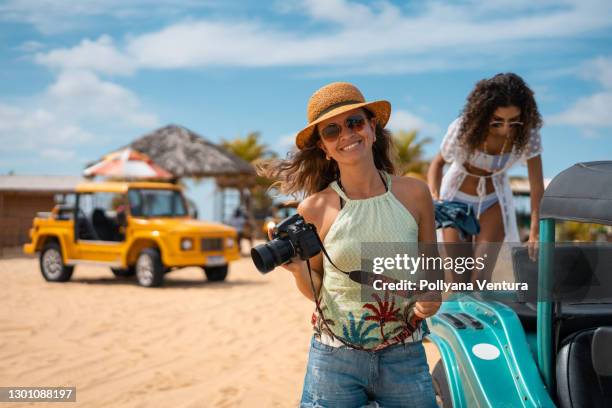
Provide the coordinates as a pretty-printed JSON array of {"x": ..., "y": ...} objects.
[{"x": 292, "y": 237}]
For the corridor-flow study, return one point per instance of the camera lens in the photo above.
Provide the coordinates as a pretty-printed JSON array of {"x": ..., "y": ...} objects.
[
  {"x": 272, "y": 254},
  {"x": 262, "y": 258}
]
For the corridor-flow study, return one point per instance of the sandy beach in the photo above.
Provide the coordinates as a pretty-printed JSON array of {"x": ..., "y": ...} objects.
[{"x": 240, "y": 343}]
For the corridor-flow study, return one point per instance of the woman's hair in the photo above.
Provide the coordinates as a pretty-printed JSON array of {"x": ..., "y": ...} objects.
[
  {"x": 308, "y": 171},
  {"x": 502, "y": 90}
]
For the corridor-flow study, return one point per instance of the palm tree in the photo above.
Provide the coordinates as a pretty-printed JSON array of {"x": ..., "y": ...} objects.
[
  {"x": 409, "y": 152},
  {"x": 250, "y": 148}
]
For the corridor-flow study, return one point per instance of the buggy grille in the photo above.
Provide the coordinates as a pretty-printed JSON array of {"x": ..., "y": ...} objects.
[{"x": 211, "y": 244}]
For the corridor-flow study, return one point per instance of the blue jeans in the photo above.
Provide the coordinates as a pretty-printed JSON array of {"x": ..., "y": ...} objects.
[{"x": 397, "y": 376}]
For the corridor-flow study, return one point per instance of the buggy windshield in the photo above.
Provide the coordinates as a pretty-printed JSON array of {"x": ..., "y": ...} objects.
[{"x": 156, "y": 203}]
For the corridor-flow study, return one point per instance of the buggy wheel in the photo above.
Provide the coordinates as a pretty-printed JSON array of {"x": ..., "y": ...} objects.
[
  {"x": 440, "y": 384},
  {"x": 216, "y": 273},
  {"x": 149, "y": 268},
  {"x": 52, "y": 265}
]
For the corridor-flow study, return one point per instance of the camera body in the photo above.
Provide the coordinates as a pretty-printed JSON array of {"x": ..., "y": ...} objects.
[
  {"x": 300, "y": 234},
  {"x": 292, "y": 237}
]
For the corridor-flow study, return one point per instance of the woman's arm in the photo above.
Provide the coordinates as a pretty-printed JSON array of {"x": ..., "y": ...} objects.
[
  {"x": 302, "y": 279},
  {"x": 536, "y": 185},
  {"x": 312, "y": 214},
  {"x": 428, "y": 240},
  {"x": 434, "y": 175},
  {"x": 415, "y": 196}
]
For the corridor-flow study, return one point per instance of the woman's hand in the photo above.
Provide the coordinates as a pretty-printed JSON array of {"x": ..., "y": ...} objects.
[
  {"x": 536, "y": 185},
  {"x": 532, "y": 246},
  {"x": 295, "y": 266},
  {"x": 425, "y": 309}
]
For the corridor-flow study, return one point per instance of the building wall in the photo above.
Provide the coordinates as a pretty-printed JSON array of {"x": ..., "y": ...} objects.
[{"x": 17, "y": 210}]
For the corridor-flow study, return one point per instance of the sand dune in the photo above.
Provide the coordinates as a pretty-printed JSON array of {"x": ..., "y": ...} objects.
[{"x": 240, "y": 343}]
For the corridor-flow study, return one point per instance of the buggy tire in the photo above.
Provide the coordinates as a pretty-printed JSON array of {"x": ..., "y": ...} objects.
[
  {"x": 440, "y": 384},
  {"x": 216, "y": 273},
  {"x": 149, "y": 268},
  {"x": 52, "y": 264}
]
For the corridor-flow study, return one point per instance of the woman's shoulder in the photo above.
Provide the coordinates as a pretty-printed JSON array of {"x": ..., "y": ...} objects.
[
  {"x": 413, "y": 193},
  {"x": 456, "y": 123},
  {"x": 455, "y": 126},
  {"x": 313, "y": 207},
  {"x": 411, "y": 186},
  {"x": 452, "y": 147}
]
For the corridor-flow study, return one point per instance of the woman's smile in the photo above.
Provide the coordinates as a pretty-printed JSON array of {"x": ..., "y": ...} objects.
[{"x": 351, "y": 146}]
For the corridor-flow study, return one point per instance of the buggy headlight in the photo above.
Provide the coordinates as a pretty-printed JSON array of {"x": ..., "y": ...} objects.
[
  {"x": 186, "y": 244},
  {"x": 229, "y": 242}
]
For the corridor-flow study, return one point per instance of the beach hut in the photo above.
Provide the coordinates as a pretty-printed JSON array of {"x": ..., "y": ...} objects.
[
  {"x": 22, "y": 197},
  {"x": 185, "y": 153}
]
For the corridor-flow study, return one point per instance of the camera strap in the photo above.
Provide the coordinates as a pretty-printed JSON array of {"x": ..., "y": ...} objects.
[
  {"x": 322, "y": 316},
  {"x": 364, "y": 277}
]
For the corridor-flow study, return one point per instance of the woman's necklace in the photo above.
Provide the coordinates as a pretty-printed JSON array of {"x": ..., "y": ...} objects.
[{"x": 486, "y": 150}]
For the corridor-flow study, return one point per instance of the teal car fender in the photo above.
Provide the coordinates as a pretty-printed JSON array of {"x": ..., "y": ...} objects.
[{"x": 488, "y": 361}]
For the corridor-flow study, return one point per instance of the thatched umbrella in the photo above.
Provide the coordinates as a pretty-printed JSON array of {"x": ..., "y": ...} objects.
[{"x": 186, "y": 154}]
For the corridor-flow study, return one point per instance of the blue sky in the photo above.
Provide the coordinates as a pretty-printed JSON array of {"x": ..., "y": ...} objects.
[{"x": 78, "y": 80}]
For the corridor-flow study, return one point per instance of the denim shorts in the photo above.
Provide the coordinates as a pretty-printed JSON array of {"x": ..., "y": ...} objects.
[
  {"x": 396, "y": 376},
  {"x": 473, "y": 201}
]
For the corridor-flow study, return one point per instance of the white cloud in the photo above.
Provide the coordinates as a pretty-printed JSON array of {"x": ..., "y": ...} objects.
[
  {"x": 365, "y": 32},
  {"x": 23, "y": 129},
  {"x": 339, "y": 11},
  {"x": 57, "y": 16},
  {"x": 590, "y": 111},
  {"x": 599, "y": 70},
  {"x": 593, "y": 111},
  {"x": 100, "y": 55},
  {"x": 404, "y": 120},
  {"x": 380, "y": 38},
  {"x": 82, "y": 94},
  {"x": 73, "y": 112}
]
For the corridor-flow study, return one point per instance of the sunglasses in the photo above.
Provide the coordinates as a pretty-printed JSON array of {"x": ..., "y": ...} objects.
[
  {"x": 498, "y": 124},
  {"x": 331, "y": 132}
]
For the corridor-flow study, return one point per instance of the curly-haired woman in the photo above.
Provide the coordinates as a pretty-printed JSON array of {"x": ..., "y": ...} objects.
[
  {"x": 362, "y": 350},
  {"x": 499, "y": 126}
]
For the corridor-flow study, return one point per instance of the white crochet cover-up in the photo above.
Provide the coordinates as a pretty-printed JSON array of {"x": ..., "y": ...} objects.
[{"x": 454, "y": 152}]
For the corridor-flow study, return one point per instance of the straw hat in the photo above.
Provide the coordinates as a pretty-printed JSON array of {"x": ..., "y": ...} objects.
[{"x": 335, "y": 99}]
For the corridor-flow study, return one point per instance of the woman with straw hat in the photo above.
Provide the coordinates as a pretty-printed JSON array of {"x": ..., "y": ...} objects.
[{"x": 361, "y": 351}]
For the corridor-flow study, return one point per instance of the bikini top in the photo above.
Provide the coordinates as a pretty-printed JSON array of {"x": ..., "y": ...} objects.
[
  {"x": 488, "y": 162},
  {"x": 491, "y": 163}
]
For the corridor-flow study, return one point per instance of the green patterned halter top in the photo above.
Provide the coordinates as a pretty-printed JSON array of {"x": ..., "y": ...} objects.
[{"x": 380, "y": 321}]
